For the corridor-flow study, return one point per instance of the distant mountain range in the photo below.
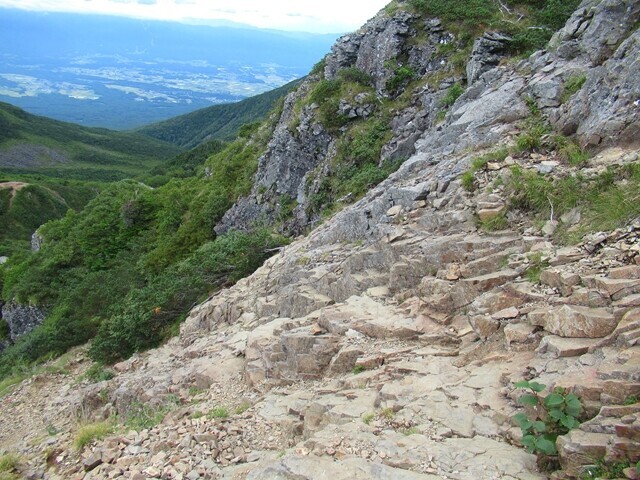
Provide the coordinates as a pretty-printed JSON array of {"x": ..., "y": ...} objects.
[{"x": 123, "y": 73}]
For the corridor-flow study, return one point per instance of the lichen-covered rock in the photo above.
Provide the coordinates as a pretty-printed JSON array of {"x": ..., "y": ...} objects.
[
  {"x": 371, "y": 49},
  {"x": 298, "y": 145},
  {"x": 595, "y": 29},
  {"x": 487, "y": 52},
  {"x": 21, "y": 319}
]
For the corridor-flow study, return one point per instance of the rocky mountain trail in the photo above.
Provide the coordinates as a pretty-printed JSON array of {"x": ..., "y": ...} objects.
[
  {"x": 392, "y": 357},
  {"x": 388, "y": 341}
]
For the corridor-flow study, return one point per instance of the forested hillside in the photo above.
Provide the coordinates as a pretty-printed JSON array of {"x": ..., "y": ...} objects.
[
  {"x": 29, "y": 143},
  {"x": 130, "y": 265},
  {"x": 220, "y": 122}
]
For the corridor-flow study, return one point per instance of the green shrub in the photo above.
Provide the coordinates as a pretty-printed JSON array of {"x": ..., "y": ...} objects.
[
  {"x": 355, "y": 75},
  {"x": 526, "y": 41},
  {"x": 498, "y": 222},
  {"x": 92, "y": 432},
  {"x": 326, "y": 95},
  {"x": 318, "y": 68},
  {"x": 248, "y": 129},
  {"x": 140, "y": 321},
  {"x": 143, "y": 416},
  {"x": 4, "y": 327},
  {"x": 572, "y": 85},
  {"x": 114, "y": 260},
  {"x": 530, "y": 139},
  {"x": 569, "y": 151},
  {"x": 9, "y": 462},
  {"x": 471, "y": 11},
  {"x": 324, "y": 90},
  {"x": 550, "y": 416},
  {"x": 468, "y": 178},
  {"x": 536, "y": 265},
  {"x": 98, "y": 373},
  {"x": 218, "y": 412},
  {"x": 452, "y": 95},
  {"x": 356, "y": 166},
  {"x": 605, "y": 469},
  {"x": 402, "y": 75},
  {"x": 545, "y": 17},
  {"x": 367, "y": 418},
  {"x": 538, "y": 194},
  {"x": 243, "y": 407},
  {"x": 468, "y": 181}
]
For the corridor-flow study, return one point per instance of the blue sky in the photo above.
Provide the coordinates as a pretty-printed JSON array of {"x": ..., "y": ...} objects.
[{"x": 321, "y": 16}]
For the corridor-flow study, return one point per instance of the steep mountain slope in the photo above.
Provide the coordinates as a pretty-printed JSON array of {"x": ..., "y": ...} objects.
[
  {"x": 220, "y": 122},
  {"x": 25, "y": 206},
  {"x": 29, "y": 143},
  {"x": 388, "y": 342}
]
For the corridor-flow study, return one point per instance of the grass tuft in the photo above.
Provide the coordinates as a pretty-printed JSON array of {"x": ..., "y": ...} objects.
[
  {"x": 452, "y": 95},
  {"x": 367, "y": 418},
  {"x": 493, "y": 224},
  {"x": 92, "y": 432},
  {"x": 218, "y": 412},
  {"x": 572, "y": 86}
]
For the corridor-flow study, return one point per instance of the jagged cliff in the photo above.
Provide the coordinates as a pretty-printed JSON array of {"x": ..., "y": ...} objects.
[
  {"x": 387, "y": 342},
  {"x": 304, "y": 149}
]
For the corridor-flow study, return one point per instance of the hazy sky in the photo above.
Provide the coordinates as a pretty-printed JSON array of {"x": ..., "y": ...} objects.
[{"x": 326, "y": 16}]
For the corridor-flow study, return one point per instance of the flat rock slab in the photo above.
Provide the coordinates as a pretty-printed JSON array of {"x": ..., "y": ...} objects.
[
  {"x": 618, "y": 288},
  {"x": 491, "y": 280},
  {"x": 578, "y": 449},
  {"x": 574, "y": 321},
  {"x": 627, "y": 272},
  {"x": 311, "y": 467},
  {"x": 455, "y": 458},
  {"x": 566, "y": 347},
  {"x": 519, "y": 333}
]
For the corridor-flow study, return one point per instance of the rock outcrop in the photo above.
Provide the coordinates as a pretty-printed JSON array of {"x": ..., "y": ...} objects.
[
  {"x": 21, "y": 319},
  {"x": 300, "y": 153}
]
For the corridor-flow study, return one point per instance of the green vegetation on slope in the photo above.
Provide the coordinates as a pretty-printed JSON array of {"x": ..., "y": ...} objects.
[
  {"x": 220, "y": 122},
  {"x": 29, "y": 144},
  {"x": 48, "y": 166},
  {"x": 130, "y": 265},
  {"x": 531, "y": 23},
  {"x": 31, "y": 202},
  {"x": 126, "y": 269}
]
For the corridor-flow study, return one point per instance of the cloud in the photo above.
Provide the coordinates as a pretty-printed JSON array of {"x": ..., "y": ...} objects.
[{"x": 303, "y": 15}]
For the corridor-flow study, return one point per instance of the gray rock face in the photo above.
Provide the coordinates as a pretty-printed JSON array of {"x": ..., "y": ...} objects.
[
  {"x": 486, "y": 54},
  {"x": 21, "y": 319},
  {"x": 301, "y": 149},
  {"x": 607, "y": 109},
  {"x": 603, "y": 112},
  {"x": 283, "y": 169},
  {"x": 595, "y": 29},
  {"x": 381, "y": 41},
  {"x": 36, "y": 241}
]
